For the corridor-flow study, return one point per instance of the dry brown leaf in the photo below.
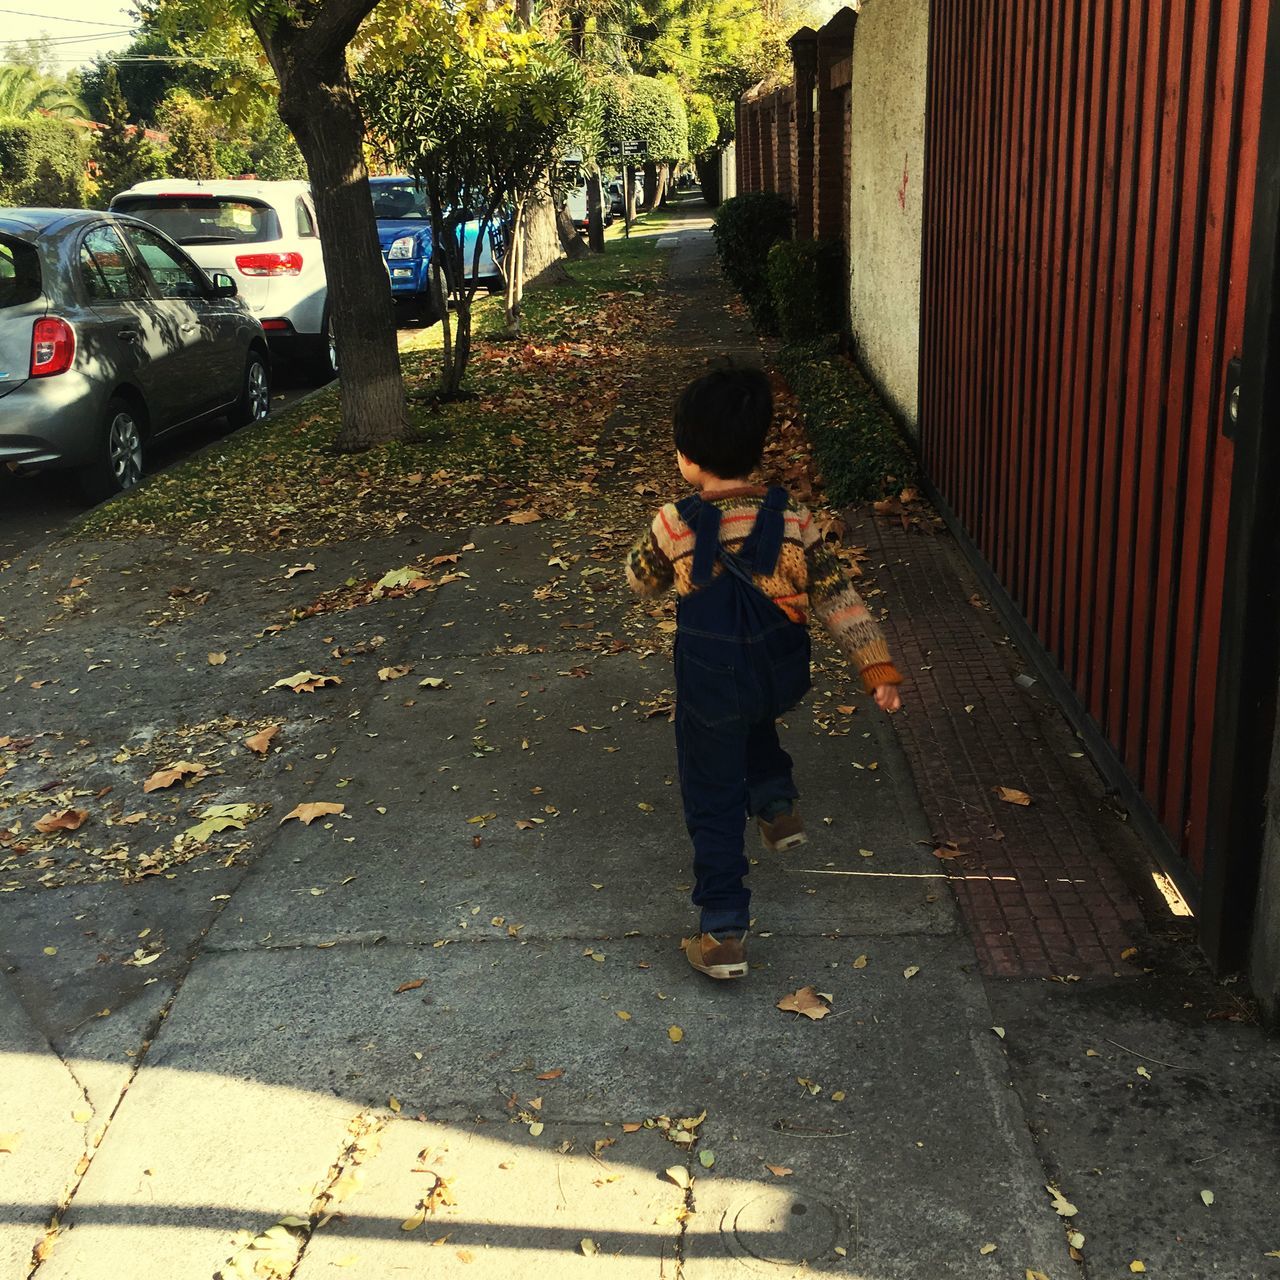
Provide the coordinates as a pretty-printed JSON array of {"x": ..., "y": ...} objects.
[
  {"x": 308, "y": 813},
  {"x": 412, "y": 985},
  {"x": 163, "y": 778},
  {"x": 63, "y": 820},
  {"x": 306, "y": 682},
  {"x": 521, "y": 517},
  {"x": 217, "y": 659},
  {"x": 396, "y": 672},
  {"x": 806, "y": 1001},
  {"x": 261, "y": 742},
  {"x": 779, "y": 1170},
  {"x": 300, "y": 568},
  {"x": 1011, "y": 795},
  {"x": 551, "y": 1075}
]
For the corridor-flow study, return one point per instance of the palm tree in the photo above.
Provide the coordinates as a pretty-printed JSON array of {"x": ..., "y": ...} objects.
[{"x": 24, "y": 91}]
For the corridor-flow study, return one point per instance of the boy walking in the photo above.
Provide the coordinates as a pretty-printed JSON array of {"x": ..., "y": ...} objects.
[{"x": 748, "y": 566}]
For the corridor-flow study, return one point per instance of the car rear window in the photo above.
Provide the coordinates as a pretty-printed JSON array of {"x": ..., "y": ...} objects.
[
  {"x": 199, "y": 219},
  {"x": 19, "y": 272}
]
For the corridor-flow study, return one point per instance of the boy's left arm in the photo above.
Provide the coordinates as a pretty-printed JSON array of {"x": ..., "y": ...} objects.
[
  {"x": 649, "y": 568},
  {"x": 844, "y": 613}
]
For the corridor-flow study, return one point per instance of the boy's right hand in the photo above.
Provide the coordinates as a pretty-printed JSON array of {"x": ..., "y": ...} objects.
[{"x": 887, "y": 698}]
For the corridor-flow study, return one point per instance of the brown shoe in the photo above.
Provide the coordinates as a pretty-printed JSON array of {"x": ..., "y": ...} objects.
[
  {"x": 786, "y": 831},
  {"x": 720, "y": 960}
]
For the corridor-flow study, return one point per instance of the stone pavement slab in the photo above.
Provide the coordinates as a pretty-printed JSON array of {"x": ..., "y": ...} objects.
[{"x": 46, "y": 1124}]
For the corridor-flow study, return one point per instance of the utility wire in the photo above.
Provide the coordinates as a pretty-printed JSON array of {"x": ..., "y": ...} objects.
[{"x": 56, "y": 17}]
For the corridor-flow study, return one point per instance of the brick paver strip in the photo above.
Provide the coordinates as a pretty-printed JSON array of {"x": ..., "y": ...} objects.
[{"x": 1041, "y": 886}]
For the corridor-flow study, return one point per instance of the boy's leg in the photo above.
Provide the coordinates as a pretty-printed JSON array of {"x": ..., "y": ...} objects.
[
  {"x": 712, "y": 767},
  {"x": 770, "y": 788}
]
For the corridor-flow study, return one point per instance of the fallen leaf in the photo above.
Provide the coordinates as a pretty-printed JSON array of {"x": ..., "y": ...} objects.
[
  {"x": 521, "y": 517},
  {"x": 1062, "y": 1206},
  {"x": 412, "y": 985},
  {"x": 535, "y": 1129},
  {"x": 9, "y": 1143},
  {"x": 999, "y": 1031},
  {"x": 910, "y": 971},
  {"x": 1207, "y": 1197},
  {"x": 1035, "y": 1275},
  {"x": 306, "y": 682},
  {"x": 706, "y": 1158},
  {"x": 219, "y": 817},
  {"x": 676, "y": 1034},
  {"x": 416, "y": 1219},
  {"x": 163, "y": 778},
  {"x": 779, "y": 1170},
  {"x": 300, "y": 568},
  {"x": 261, "y": 742},
  {"x": 838, "y": 1096},
  {"x": 680, "y": 1176},
  {"x": 394, "y": 673},
  {"x": 632, "y": 1126},
  {"x": 309, "y": 812},
  {"x": 431, "y": 682},
  {"x": 860, "y": 962},
  {"x": 805, "y": 1001},
  {"x": 1128, "y": 953},
  {"x": 588, "y": 1247},
  {"x": 1011, "y": 795},
  {"x": 551, "y": 1075},
  {"x": 987, "y": 1248},
  {"x": 623, "y": 1014},
  {"x": 1076, "y": 1239},
  {"x": 1137, "y": 1267},
  {"x": 63, "y": 820},
  {"x": 394, "y": 1103},
  {"x": 217, "y": 659},
  {"x": 1144, "y": 1073}
]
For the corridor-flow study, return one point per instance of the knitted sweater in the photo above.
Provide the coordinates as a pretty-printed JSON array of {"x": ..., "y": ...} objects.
[{"x": 806, "y": 578}]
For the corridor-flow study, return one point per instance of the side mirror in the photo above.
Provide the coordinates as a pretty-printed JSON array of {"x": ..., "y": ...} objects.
[{"x": 223, "y": 285}]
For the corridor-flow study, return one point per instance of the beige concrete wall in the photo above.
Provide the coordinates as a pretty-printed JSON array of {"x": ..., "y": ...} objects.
[{"x": 890, "y": 48}]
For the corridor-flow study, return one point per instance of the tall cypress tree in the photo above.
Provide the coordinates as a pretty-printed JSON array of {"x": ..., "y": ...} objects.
[{"x": 124, "y": 156}]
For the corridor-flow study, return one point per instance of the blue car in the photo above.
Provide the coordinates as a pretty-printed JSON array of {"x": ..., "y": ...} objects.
[{"x": 404, "y": 232}]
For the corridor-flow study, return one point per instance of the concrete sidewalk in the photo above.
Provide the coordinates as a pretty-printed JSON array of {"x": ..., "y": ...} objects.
[{"x": 449, "y": 1029}]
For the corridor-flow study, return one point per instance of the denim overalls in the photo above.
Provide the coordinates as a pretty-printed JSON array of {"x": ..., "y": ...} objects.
[{"x": 740, "y": 663}]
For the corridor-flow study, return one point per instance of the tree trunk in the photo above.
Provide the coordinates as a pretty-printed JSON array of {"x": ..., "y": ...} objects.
[
  {"x": 570, "y": 240},
  {"x": 629, "y": 192},
  {"x": 513, "y": 274},
  {"x": 595, "y": 212},
  {"x": 650, "y": 186},
  {"x": 542, "y": 251},
  {"x": 317, "y": 103},
  {"x": 664, "y": 186}
]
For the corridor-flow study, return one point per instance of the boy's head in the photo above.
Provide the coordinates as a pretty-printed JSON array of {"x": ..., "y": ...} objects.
[{"x": 722, "y": 420}]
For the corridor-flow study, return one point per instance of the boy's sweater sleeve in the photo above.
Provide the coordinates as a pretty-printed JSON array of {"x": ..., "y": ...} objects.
[
  {"x": 649, "y": 567},
  {"x": 844, "y": 613}
]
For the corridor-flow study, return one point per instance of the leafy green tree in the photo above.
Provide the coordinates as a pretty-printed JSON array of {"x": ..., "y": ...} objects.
[
  {"x": 704, "y": 124},
  {"x": 478, "y": 117},
  {"x": 26, "y": 91},
  {"x": 42, "y": 163},
  {"x": 193, "y": 138},
  {"x": 124, "y": 154},
  {"x": 273, "y": 154},
  {"x": 649, "y": 112}
]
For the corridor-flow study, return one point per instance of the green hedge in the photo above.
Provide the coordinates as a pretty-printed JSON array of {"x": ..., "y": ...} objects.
[
  {"x": 805, "y": 278},
  {"x": 746, "y": 228},
  {"x": 859, "y": 450},
  {"x": 42, "y": 163}
]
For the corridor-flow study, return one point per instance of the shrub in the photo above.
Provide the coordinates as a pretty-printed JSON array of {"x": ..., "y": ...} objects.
[
  {"x": 42, "y": 163},
  {"x": 804, "y": 278},
  {"x": 645, "y": 110},
  {"x": 746, "y": 228},
  {"x": 859, "y": 450}
]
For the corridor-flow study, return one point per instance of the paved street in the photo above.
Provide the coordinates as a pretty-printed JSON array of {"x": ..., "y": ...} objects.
[{"x": 33, "y": 508}]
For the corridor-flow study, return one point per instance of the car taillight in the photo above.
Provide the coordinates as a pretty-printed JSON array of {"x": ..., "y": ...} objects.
[
  {"x": 53, "y": 347},
  {"x": 269, "y": 264}
]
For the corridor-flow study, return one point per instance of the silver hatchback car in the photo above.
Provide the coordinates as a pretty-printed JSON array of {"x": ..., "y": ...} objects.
[{"x": 109, "y": 337}]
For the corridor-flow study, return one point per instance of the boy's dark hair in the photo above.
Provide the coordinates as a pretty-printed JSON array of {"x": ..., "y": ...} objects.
[{"x": 722, "y": 420}]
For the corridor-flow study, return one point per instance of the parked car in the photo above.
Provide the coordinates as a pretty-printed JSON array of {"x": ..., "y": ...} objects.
[
  {"x": 265, "y": 236},
  {"x": 579, "y": 208},
  {"x": 616, "y": 191},
  {"x": 404, "y": 231},
  {"x": 111, "y": 336}
]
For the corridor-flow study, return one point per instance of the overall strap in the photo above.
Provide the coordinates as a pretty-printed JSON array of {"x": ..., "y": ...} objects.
[
  {"x": 764, "y": 543},
  {"x": 704, "y": 519}
]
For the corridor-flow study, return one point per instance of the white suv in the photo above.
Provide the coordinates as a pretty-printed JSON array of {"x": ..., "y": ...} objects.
[{"x": 262, "y": 234}]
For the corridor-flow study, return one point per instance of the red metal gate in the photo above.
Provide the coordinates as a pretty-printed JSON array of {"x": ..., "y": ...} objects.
[{"x": 1089, "y": 192}]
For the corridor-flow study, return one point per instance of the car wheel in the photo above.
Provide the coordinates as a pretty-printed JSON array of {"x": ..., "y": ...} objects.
[
  {"x": 255, "y": 394},
  {"x": 326, "y": 352},
  {"x": 118, "y": 466}
]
